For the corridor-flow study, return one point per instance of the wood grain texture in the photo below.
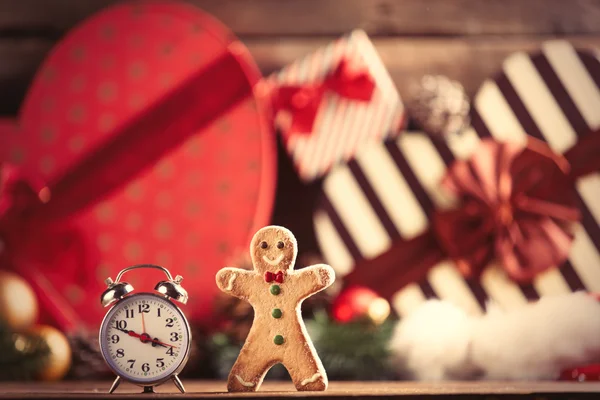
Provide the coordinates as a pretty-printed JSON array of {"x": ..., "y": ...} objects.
[
  {"x": 333, "y": 17},
  {"x": 468, "y": 60},
  {"x": 337, "y": 390},
  {"x": 19, "y": 59}
]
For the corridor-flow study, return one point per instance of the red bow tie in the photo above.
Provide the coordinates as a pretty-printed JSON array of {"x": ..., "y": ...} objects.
[{"x": 277, "y": 277}]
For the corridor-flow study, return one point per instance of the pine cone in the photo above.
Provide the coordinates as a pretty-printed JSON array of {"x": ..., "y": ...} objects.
[
  {"x": 198, "y": 363},
  {"x": 439, "y": 106},
  {"x": 87, "y": 362}
]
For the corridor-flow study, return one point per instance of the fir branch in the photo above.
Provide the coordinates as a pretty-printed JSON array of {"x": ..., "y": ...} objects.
[
  {"x": 21, "y": 355},
  {"x": 352, "y": 351}
]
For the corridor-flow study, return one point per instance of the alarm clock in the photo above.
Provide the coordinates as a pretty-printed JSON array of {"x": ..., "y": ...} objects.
[{"x": 144, "y": 337}]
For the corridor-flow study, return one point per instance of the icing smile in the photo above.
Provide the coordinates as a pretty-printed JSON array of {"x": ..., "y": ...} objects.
[{"x": 273, "y": 262}]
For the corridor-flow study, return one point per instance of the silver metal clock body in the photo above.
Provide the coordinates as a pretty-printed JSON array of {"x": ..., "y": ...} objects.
[{"x": 144, "y": 337}]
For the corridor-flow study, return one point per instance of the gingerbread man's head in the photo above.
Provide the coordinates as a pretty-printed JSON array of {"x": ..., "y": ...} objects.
[{"x": 273, "y": 248}]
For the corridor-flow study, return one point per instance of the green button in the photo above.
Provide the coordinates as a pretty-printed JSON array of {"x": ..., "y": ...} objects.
[
  {"x": 276, "y": 313},
  {"x": 275, "y": 289},
  {"x": 278, "y": 340}
]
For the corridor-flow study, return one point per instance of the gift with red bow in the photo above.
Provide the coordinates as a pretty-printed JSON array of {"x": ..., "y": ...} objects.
[
  {"x": 332, "y": 102},
  {"x": 506, "y": 212},
  {"x": 140, "y": 140}
]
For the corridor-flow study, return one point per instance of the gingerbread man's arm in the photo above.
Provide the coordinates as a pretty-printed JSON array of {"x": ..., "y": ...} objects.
[
  {"x": 235, "y": 281},
  {"x": 313, "y": 279}
]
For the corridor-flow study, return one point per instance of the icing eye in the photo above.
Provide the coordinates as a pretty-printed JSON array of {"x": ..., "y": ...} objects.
[
  {"x": 264, "y": 245},
  {"x": 280, "y": 245}
]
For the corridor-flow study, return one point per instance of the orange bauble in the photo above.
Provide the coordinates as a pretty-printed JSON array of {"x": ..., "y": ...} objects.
[
  {"x": 59, "y": 360},
  {"x": 18, "y": 304}
]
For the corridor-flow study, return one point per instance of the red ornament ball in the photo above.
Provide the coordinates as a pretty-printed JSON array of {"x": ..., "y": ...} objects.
[
  {"x": 585, "y": 373},
  {"x": 357, "y": 302}
]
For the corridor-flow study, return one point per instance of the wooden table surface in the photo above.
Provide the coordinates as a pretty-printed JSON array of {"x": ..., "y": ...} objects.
[{"x": 337, "y": 390}]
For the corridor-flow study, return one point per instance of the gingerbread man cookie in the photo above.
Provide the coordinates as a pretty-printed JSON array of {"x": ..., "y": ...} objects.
[{"x": 276, "y": 291}]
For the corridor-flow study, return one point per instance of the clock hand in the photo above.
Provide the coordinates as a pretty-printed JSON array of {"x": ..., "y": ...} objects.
[
  {"x": 145, "y": 338},
  {"x": 130, "y": 333},
  {"x": 156, "y": 342},
  {"x": 123, "y": 330},
  {"x": 136, "y": 335},
  {"x": 143, "y": 324}
]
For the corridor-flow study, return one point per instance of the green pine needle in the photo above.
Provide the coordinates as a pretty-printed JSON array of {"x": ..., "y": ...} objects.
[
  {"x": 21, "y": 355},
  {"x": 356, "y": 350},
  {"x": 352, "y": 351}
]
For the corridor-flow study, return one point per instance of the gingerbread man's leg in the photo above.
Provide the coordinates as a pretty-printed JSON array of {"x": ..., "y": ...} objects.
[
  {"x": 249, "y": 370},
  {"x": 305, "y": 368}
]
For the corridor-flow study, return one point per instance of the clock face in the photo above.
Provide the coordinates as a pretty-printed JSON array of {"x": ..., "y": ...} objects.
[{"x": 145, "y": 338}]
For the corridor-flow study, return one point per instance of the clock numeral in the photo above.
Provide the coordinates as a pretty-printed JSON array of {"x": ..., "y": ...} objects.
[
  {"x": 145, "y": 367},
  {"x": 144, "y": 308},
  {"x": 174, "y": 336},
  {"x": 131, "y": 363},
  {"x": 120, "y": 353},
  {"x": 169, "y": 323},
  {"x": 160, "y": 363},
  {"x": 170, "y": 351},
  {"x": 158, "y": 312},
  {"x": 129, "y": 313},
  {"x": 122, "y": 324},
  {"x": 115, "y": 339}
]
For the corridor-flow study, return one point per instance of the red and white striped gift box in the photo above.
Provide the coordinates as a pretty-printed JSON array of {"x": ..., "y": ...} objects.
[
  {"x": 389, "y": 192},
  {"x": 342, "y": 125}
]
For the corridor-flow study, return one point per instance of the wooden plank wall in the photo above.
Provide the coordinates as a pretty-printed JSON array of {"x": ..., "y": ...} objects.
[{"x": 464, "y": 39}]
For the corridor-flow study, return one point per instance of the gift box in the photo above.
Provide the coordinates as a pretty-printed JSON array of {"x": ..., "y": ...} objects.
[
  {"x": 140, "y": 141},
  {"x": 506, "y": 212},
  {"x": 332, "y": 102}
]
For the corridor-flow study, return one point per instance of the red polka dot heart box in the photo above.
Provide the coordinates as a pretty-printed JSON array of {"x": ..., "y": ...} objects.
[
  {"x": 507, "y": 212},
  {"x": 140, "y": 141}
]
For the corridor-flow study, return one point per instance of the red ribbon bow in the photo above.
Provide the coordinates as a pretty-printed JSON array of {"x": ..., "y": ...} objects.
[
  {"x": 277, "y": 277},
  {"x": 32, "y": 222},
  {"x": 517, "y": 205},
  {"x": 304, "y": 101}
]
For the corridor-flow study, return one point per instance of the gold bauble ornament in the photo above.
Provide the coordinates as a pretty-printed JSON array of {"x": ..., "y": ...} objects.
[
  {"x": 18, "y": 304},
  {"x": 379, "y": 310},
  {"x": 59, "y": 360}
]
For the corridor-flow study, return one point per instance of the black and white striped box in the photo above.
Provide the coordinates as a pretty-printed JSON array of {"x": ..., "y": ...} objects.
[{"x": 389, "y": 191}]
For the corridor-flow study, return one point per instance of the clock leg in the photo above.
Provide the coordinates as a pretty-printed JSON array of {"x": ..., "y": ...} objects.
[
  {"x": 178, "y": 383},
  {"x": 115, "y": 385}
]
